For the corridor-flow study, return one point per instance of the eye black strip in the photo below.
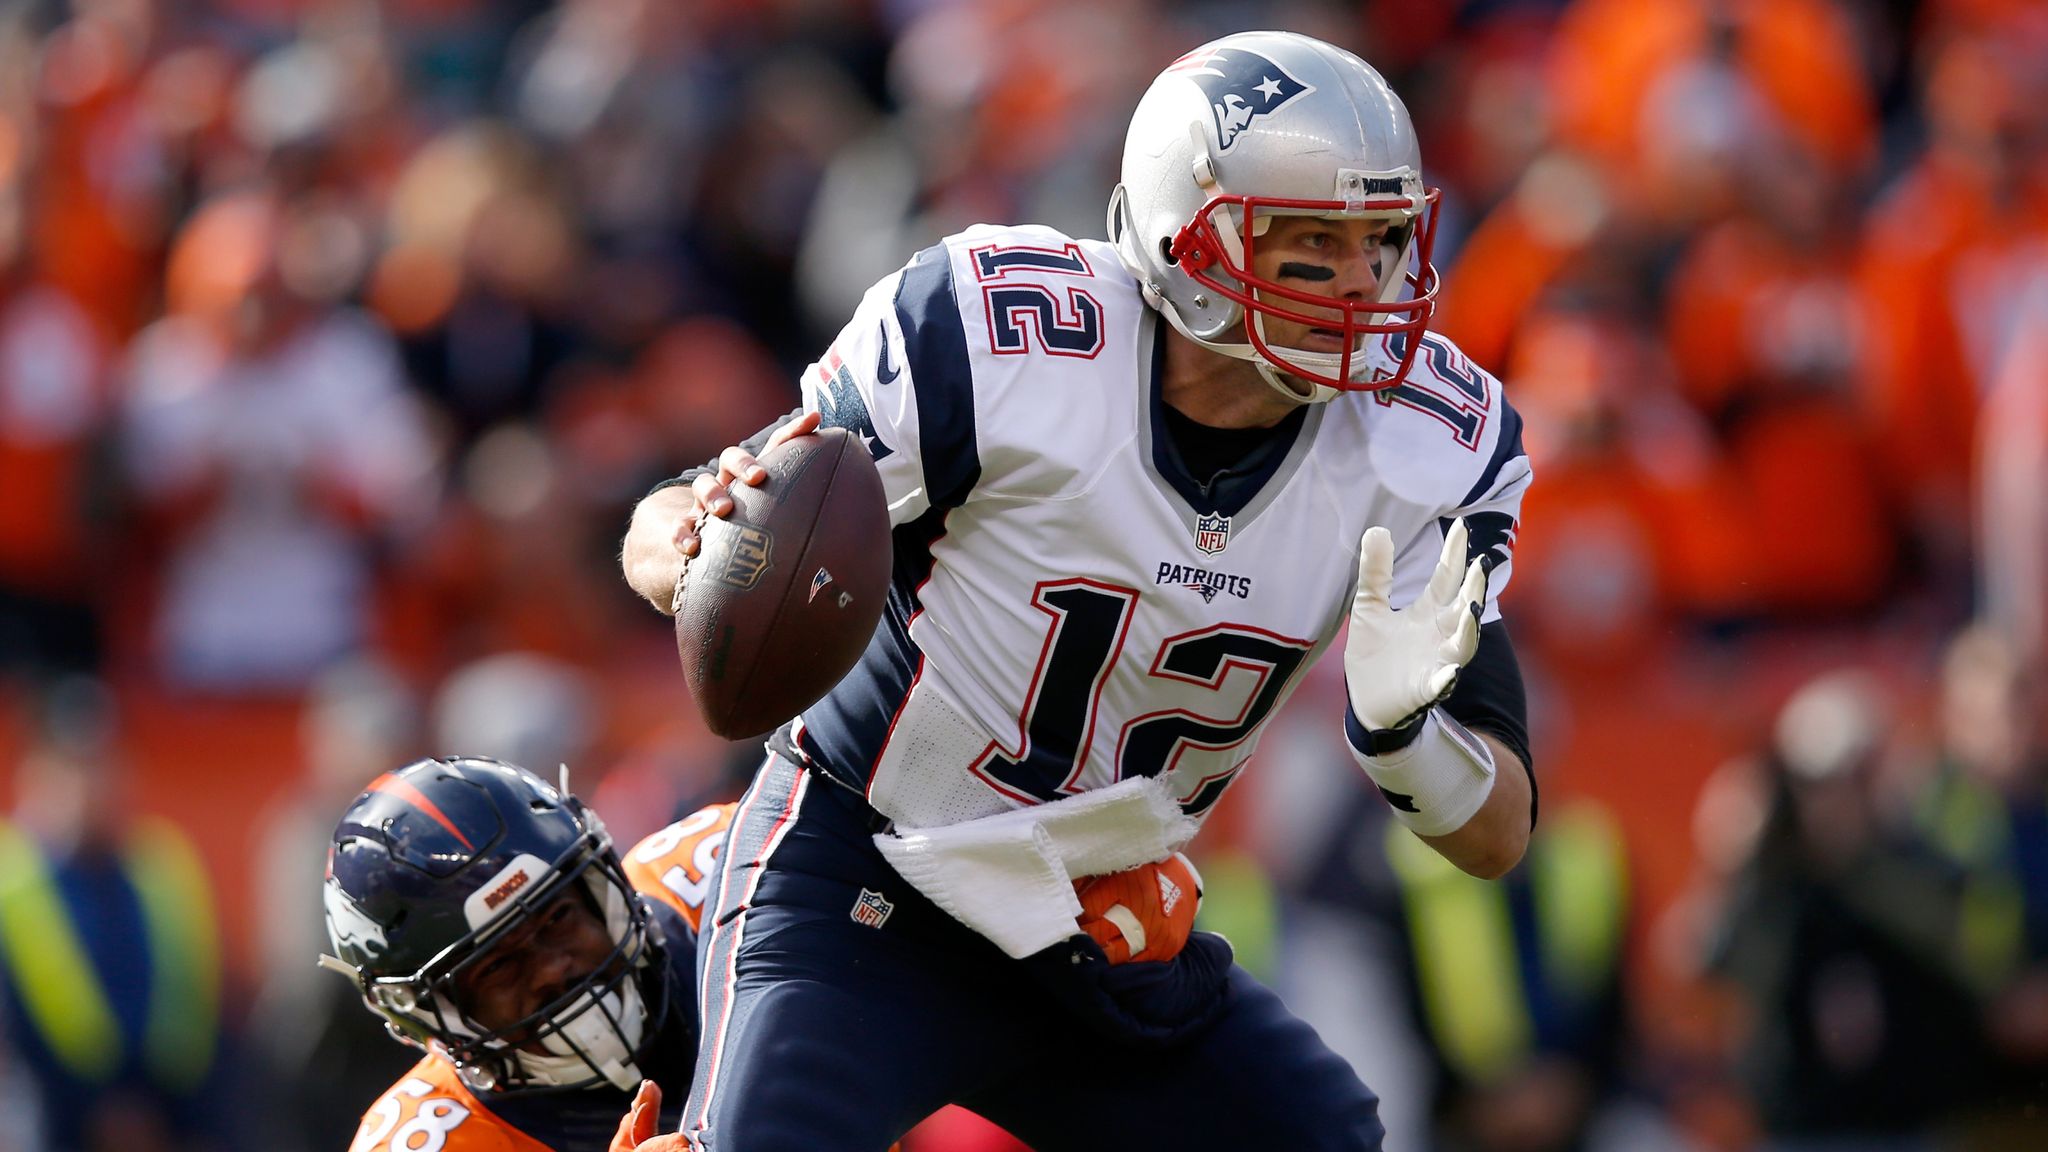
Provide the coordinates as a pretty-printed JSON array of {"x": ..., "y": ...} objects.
[{"x": 1290, "y": 270}]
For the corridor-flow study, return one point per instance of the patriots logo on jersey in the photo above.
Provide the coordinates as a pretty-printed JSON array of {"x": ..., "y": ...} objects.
[
  {"x": 1241, "y": 86},
  {"x": 840, "y": 403},
  {"x": 1203, "y": 581},
  {"x": 1490, "y": 536}
]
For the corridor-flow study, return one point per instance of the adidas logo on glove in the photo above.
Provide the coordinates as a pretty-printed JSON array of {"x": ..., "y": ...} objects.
[
  {"x": 1169, "y": 893},
  {"x": 1140, "y": 914}
]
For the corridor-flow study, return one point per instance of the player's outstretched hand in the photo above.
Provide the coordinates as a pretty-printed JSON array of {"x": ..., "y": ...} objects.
[
  {"x": 663, "y": 533},
  {"x": 636, "y": 1128},
  {"x": 1398, "y": 665}
]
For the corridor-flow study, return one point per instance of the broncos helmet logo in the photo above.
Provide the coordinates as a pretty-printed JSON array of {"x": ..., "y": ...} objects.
[
  {"x": 1242, "y": 86},
  {"x": 350, "y": 926}
]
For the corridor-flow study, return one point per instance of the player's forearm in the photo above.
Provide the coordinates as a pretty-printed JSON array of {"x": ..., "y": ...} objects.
[
  {"x": 649, "y": 558},
  {"x": 1493, "y": 840}
]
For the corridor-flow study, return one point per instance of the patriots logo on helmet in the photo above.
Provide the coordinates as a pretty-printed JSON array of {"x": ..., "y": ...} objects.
[{"x": 1242, "y": 86}]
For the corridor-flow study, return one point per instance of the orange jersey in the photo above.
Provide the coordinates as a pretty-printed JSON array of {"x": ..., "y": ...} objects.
[
  {"x": 431, "y": 1110},
  {"x": 676, "y": 864}
]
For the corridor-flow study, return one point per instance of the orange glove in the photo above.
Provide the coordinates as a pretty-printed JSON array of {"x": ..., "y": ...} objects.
[
  {"x": 636, "y": 1128},
  {"x": 1143, "y": 914}
]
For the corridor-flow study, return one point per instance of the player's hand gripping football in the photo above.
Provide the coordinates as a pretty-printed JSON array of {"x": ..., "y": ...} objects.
[
  {"x": 1144, "y": 913},
  {"x": 663, "y": 534},
  {"x": 1398, "y": 665}
]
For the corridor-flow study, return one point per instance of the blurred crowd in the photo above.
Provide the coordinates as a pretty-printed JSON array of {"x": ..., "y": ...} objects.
[{"x": 337, "y": 338}]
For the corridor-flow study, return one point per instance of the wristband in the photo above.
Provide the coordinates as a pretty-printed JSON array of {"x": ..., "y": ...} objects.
[
  {"x": 1437, "y": 780},
  {"x": 1387, "y": 741}
]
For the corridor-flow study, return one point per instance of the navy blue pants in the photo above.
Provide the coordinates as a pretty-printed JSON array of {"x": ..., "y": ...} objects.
[{"x": 840, "y": 1007}]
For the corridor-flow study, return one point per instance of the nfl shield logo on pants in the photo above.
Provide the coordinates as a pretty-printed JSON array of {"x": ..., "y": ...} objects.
[
  {"x": 872, "y": 909},
  {"x": 1212, "y": 534}
]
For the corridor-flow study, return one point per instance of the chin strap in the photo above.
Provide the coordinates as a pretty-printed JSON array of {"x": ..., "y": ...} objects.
[
  {"x": 1276, "y": 379},
  {"x": 1285, "y": 385}
]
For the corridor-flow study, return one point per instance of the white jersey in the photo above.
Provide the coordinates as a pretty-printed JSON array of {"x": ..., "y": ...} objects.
[{"x": 1069, "y": 606}]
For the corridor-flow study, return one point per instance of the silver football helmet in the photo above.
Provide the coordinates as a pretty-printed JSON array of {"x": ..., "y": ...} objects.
[{"x": 1259, "y": 124}]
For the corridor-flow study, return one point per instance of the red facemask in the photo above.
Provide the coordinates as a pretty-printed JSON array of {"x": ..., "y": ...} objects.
[{"x": 1201, "y": 251}]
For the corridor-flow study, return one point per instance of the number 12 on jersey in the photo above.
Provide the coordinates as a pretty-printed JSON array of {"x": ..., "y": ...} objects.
[
  {"x": 1090, "y": 620},
  {"x": 1020, "y": 312}
]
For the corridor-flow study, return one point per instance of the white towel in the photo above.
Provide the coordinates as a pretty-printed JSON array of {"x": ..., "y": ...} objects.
[{"x": 1010, "y": 876}]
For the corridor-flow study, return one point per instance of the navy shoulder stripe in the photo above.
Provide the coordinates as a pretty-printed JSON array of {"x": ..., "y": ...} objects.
[
  {"x": 935, "y": 344},
  {"x": 1507, "y": 446}
]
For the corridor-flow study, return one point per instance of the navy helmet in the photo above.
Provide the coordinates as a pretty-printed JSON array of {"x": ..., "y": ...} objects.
[{"x": 436, "y": 862}]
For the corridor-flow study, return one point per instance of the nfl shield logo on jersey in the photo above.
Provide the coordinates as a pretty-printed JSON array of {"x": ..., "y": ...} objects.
[
  {"x": 1212, "y": 534},
  {"x": 872, "y": 909}
]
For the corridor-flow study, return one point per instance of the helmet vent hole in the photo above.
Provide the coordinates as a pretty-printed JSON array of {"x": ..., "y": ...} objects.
[{"x": 1166, "y": 251}]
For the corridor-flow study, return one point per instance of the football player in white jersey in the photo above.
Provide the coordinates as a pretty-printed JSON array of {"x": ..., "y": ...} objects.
[{"x": 1136, "y": 488}]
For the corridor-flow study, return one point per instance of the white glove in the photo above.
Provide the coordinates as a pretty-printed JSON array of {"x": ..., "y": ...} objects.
[{"x": 1398, "y": 665}]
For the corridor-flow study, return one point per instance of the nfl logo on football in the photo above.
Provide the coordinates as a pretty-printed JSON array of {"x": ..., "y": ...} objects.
[
  {"x": 872, "y": 909},
  {"x": 1212, "y": 534}
]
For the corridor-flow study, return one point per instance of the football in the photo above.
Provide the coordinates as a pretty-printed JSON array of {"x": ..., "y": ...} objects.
[{"x": 784, "y": 594}]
